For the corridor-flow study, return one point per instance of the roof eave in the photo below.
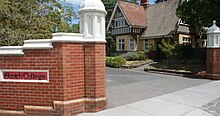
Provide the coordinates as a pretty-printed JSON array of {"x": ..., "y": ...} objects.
[
  {"x": 138, "y": 26},
  {"x": 156, "y": 37}
]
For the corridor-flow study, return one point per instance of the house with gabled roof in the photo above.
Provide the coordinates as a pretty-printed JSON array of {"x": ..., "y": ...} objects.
[{"x": 134, "y": 27}]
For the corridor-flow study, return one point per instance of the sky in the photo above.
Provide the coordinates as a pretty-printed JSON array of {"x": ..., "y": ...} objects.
[{"x": 76, "y": 4}]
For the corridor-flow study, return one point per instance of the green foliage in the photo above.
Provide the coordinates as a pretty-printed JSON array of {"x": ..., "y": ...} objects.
[
  {"x": 75, "y": 28},
  {"x": 148, "y": 49},
  {"x": 115, "y": 62},
  {"x": 132, "y": 56},
  {"x": 168, "y": 48},
  {"x": 190, "y": 66},
  {"x": 109, "y": 6},
  {"x": 199, "y": 13},
  {"x": 110, "y": 45},
  {"x": 172, "y": 50},
  {"x": 32, "y": 19}
]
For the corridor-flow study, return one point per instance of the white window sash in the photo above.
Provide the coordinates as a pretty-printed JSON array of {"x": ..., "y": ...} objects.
[
  {"x": 133, "y": 42},
  {"x": 121, "y": 43}
]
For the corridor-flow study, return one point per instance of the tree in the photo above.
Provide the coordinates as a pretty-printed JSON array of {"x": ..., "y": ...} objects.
[
  {"x": 199, "y": 13},
  {"x": 168, "y": 47},
  {"x": 75, "y": 28},
  {"x": 109, "y": 6},
  {"x": 32, "y": 19},
  {"x": 171, "y": 49}
]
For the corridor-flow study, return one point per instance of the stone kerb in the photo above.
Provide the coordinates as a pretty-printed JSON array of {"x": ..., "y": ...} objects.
[{"x": 213, "y": 52}]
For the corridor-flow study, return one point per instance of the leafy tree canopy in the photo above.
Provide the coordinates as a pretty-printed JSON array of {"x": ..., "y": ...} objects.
[
  {"x": 199, "y": 13},
  {"x": 33, "y": 19}
]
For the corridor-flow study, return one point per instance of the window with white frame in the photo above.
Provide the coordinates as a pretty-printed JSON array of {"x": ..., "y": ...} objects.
[
  {"x": 120, "y": 23},
  {"x": 145, "y": 44},
  {"x": 187, "y": 41},
  {"x": 132, "y": 44},
  {"x": 121, "y": 44}
]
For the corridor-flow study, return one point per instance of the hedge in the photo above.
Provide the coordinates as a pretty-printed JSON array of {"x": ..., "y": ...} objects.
[
  {"x": 132, "y": 56},
  {"x": 115, "y": 62}
]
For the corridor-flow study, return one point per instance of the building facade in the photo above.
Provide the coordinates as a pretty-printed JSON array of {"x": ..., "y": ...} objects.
[{"x": 134, "y": 27}]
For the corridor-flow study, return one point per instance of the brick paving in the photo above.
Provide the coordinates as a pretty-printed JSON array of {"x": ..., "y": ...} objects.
[{"x": 213, "y": 107}]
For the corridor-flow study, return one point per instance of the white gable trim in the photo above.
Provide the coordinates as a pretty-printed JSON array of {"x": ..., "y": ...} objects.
[{"x": 113, "y": 14}]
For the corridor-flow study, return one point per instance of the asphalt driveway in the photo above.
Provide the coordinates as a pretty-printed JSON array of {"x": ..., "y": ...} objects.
[{"x": 128, "y": 86}]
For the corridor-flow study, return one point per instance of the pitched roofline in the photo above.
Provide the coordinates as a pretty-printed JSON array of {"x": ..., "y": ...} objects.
[
  {"x": 113, "y": 14},
  {"x": 177, "y": 26},
  {"x": 130, "y": 25},
  {"x": 124, "y": 14}
]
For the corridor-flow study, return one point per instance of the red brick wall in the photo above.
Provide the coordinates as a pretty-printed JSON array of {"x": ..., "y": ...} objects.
[
  {"x": 95, "y": 70},
  {"x": 213, "y": 63},
  {"x": 73, "y": 68},
  {"x": 76, "y": 71},
  {"x": 95, "y": 75},
  {"x": 13, "y": 96}
]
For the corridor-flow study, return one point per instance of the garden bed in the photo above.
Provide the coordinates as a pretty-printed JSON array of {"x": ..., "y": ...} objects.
[
  {"x": 134, "y": 64},
  {"x": 183, "y": 67}
]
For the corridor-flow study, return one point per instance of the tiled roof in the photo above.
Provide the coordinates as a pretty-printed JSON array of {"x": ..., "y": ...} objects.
[
  {"x": 161, "y": 19},
  {"x": 135, "y": 14}
]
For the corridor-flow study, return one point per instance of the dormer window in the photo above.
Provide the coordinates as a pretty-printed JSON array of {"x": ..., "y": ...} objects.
[{"x": 120, "y": 23}]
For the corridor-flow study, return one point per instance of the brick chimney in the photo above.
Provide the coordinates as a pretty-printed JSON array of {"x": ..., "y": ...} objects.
[{"x": 145, "y": 3}]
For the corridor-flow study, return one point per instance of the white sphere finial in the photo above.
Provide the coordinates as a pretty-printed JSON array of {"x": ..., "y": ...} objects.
[
  {"x": 214, "y": 28},
  {"x": 214, "y": 22}
]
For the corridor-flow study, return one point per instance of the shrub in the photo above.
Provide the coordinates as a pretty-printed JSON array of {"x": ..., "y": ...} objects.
[
  {"x": 135, "y": 56},
  {"x": 148, "y": 49},
  {"x": 115, "y": 62},
  {"x": 168, "y": 48},
  {"x": 173, "y": 50}
]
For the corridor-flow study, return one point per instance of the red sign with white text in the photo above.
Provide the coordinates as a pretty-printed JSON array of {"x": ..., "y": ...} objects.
[{"x": 17, "y": 75}]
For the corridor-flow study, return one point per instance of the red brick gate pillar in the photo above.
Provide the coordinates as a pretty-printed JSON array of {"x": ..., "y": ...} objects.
[
  {"x": 92, "y": 26},
  {"x": 213, "y": 52}
]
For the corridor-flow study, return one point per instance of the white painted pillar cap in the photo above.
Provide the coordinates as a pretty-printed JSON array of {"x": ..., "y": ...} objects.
[
  {"x": 213, "y": 36},
  {"x": 214, "y": 28},
  {"x": 92, "y": 5}
]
